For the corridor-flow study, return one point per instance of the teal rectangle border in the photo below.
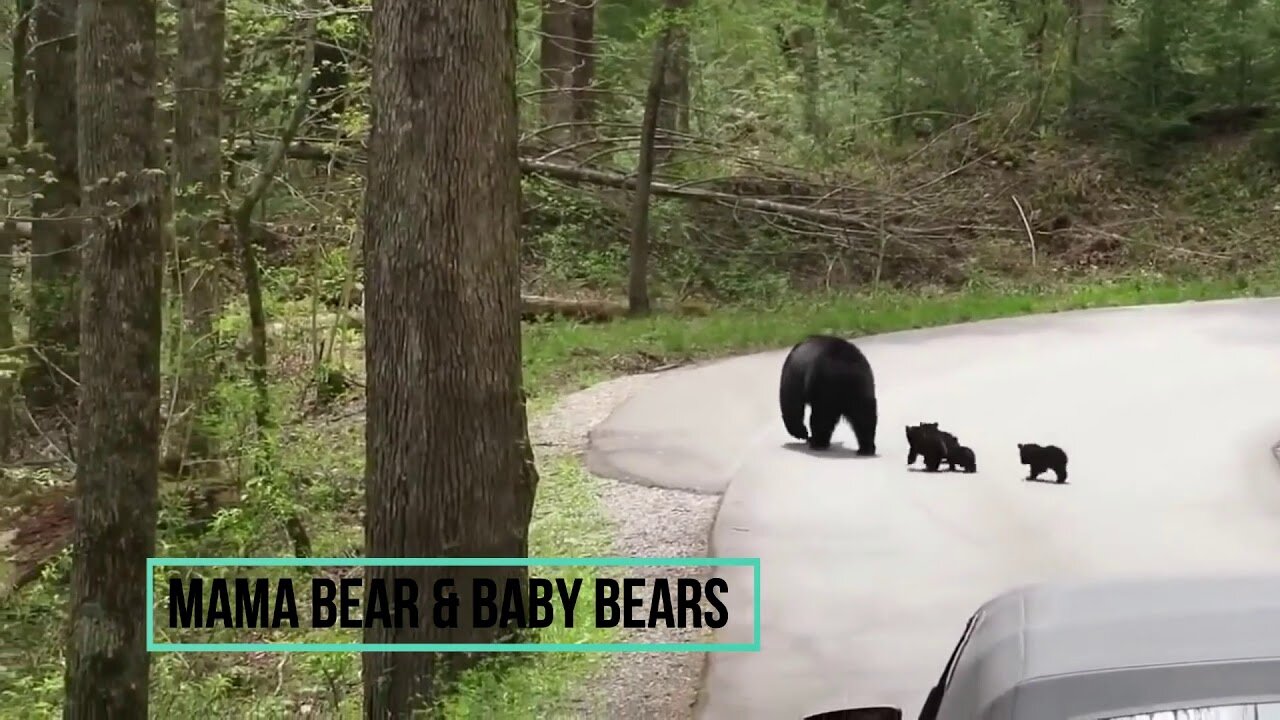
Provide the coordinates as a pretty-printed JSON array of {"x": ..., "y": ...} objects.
[{"x": 155, "y": 563}]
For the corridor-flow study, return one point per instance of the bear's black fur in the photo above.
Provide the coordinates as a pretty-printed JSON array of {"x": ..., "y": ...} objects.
[
  {"x": 1044, "y": 457},
  {"x": 833, "y": 378},
  {"x": 963, "y": 458},
  {"x": 932, "y": 444}
]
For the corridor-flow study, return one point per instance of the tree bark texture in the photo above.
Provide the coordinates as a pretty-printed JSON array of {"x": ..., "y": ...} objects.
[
  {"x": 446, "y": 436},
  {"x": 117, "y": 462},
  {"x": 198, "y": 81},
  {"x": 55, "y": 238},
  {"x": 673, "y": 115},
  {"x": 20, "y": 124},
  {"x": 584, "y": 68},
  {"x": 559, "y": 63}
]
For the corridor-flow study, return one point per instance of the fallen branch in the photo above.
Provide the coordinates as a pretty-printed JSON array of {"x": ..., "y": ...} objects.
[
  {"x": 1030, "y": 235},
  {"x": 605, "y": 178}
]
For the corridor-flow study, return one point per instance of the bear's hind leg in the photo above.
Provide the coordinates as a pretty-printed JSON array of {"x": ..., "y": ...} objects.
[
  {"x": 822, "y": 425},
  {"x": 863, "y": 422},
  {"x": 1061, "y": 472},
  {"x": 932, "y": 461}
]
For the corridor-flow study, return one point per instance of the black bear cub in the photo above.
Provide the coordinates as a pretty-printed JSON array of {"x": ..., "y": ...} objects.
[
  {"x": 963, "y": 458},
  {"x": 932, "y": 444},
  {"x": 833, "y": 378},
  {"x": 1042, "y": 458}
]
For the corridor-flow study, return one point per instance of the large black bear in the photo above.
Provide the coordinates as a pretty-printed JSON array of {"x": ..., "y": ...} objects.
[{"x": 833, "y": 378}]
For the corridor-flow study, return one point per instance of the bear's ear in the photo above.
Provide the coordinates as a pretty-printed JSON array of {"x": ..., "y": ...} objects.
[{"x": 1020, "y": 446}]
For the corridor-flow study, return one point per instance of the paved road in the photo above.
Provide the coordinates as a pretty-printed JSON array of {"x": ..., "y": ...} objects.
[{"x": 871, "y": 569}]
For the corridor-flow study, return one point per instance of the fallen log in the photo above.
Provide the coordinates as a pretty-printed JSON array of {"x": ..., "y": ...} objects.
[
  {"x": 533, "y": 308},
  {"x": 33, "y": 539},
  {"x": 37, "y": 535}
]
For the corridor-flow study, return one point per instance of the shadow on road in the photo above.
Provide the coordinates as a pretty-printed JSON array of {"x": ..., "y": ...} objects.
[
  {"x": 942, "y": 471},
  {"x": 837, "y": 450},
  {"x": 1045, "y": 480}
]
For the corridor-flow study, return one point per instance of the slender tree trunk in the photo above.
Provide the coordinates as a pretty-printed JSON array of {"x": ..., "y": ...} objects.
[
  {"x": 583, "y": 76},
  {"x": 800, "y": 47},
  {"x": 446, "y": 438},
  {"x": 198, "y": 80},
  {"x": 115, "y": 519},
  {"x": 556, "y": 60},
  {"x": 8, "y": 240},
  {"x": 54, "y": 332},
  {"x": 638, "y": 300},
  {"x": 673, "y": 115},
  {"x": 1088, "y": 38},
  {"x": 18, "y": 131}
]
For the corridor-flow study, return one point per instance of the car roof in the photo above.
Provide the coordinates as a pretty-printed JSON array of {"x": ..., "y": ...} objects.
[{"x": 1108, "y": 646}]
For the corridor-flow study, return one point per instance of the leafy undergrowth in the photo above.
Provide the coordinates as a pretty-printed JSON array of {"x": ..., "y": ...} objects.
[{"x": 319, "y": 469}]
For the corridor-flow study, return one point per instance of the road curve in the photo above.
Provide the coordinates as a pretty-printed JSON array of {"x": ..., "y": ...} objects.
[{"x": 870, "y": 569}]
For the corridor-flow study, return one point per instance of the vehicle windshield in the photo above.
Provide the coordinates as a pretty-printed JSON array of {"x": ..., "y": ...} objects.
[{"x": 1247, "y": 711}]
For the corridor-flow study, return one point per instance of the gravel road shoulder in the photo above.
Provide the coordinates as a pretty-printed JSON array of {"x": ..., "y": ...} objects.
[{"x": 647, "y": 522}]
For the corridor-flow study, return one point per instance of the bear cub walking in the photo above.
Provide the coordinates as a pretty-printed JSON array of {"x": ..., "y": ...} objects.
[
  {"x": 935, "y": 446},
  {"x": 963, "y": 458},
  {"x": 1042, "y": 458}
]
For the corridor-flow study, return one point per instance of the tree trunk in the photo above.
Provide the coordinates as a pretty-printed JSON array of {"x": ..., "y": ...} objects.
[
  {"x": 583, "y": 76},
  {"x": 8, "y": 240},
  {"x": 18, "y": 130},
  {"x": 673, "y": 115},
  {"x": 800, "y": 48},
  {"x": 198, "y": 80},
  {"x": 117, "y": 461},
  {"x": 638, "y": 302},
  {"x": 1088, "y": 40},
  {"x": 446, "y": 435},
  {"x": 54, "y": 332},
  {"x": 556, "y": 61}
]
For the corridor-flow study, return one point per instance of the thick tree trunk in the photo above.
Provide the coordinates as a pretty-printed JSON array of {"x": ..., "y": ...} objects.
[
  {"x": 198, "y": 80},
  {"x": 54, "y": 332},
  {"x": 115, "y": 520},
  {"x": 446, "y": 436}
]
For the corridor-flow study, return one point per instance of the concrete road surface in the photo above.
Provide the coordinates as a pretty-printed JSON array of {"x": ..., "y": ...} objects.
[{"x": 870, "y": 568}]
